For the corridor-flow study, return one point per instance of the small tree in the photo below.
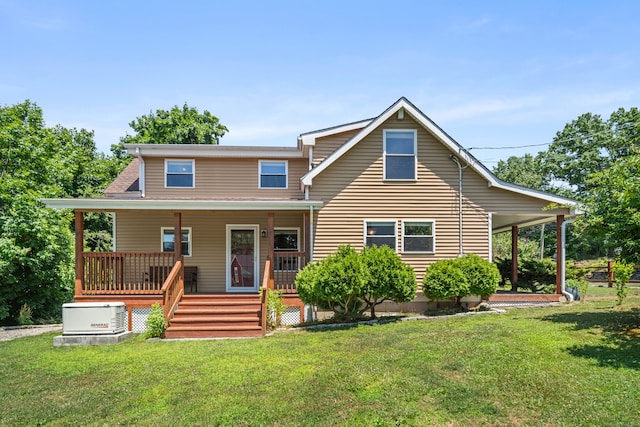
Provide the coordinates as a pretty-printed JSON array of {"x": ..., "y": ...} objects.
[
  {"x": 389, "y": 278},
  {"x": 483, "y": 276},
  {"x": 622, "y": 272},
  {"x": 444, "y": 280}
]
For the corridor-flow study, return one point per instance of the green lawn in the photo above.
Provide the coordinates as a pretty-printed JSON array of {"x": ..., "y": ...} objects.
[
  {"x": 568, "y": 365},
  {"x": 633, "y": 289}
]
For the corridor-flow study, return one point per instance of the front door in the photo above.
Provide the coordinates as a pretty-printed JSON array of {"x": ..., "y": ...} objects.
[{"x": 242, "y": 258}]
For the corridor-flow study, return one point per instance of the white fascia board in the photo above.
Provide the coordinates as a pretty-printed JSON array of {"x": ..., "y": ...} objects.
[
  {"x": 181, "y": 205},
  {"x": 201, "y": 150},
  {"x": 310, "y": 137}
]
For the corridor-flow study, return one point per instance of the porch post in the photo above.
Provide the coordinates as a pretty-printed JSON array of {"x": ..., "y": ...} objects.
[
  {"x": 79, "y": 230},
  {"x": 514, "y": 256},
  {"x": 270, "y": 235},
  {"x": 177, "y": 236},
  {"x": 559, "y": 253}
]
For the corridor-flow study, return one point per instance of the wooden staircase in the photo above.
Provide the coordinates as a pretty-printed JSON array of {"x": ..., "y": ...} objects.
[{"x": 216, "y": 316}]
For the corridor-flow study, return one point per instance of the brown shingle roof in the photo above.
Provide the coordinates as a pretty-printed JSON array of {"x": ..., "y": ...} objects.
[{"x": 126, "y": 182}]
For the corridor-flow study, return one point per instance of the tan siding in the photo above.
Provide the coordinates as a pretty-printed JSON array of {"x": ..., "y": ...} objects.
[
  {"x": 353, "y": 190},
  {"x": 140, "y": 231},
  {"x": 328, "y": 144},
  {"x": 223, "y": 178}
]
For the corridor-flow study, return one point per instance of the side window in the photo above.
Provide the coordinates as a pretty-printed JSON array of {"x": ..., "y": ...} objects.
[
  {"x": 179, "y": 173},
  {"x": 418, "y": 236},
  {"x": 400, "y": 155},
  {"x": 380, "y": 233},
  {"x": 167, "y": 240},
  {"x": 273, "y": 174}
]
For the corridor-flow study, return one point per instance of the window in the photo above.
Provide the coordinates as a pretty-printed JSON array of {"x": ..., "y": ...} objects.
[
  {"x": 380, "y": 233},
  {"x": 418, "y": 236},
  {"x": 167, "y": 240},
  {"x": 273, "y": 174},
  {"x": 179, "y": 173},
  {"x": 400, "y": 152},
  {"x": 285, "y": 240}
]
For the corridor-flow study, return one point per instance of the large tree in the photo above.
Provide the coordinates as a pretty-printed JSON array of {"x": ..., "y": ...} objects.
[{"x": 184, "y": 125}]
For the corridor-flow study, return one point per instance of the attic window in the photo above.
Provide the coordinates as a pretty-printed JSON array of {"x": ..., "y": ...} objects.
[{"x": 400, "y": 155}]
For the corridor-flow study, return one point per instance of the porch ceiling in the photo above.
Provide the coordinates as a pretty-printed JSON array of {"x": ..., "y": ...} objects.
[
  {"x": 182, "y": 205},
  {"x": 503, "y": 222}
]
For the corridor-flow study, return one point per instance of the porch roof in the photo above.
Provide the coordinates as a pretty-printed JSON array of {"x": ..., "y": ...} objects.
[{"x": 183, "y": 204}]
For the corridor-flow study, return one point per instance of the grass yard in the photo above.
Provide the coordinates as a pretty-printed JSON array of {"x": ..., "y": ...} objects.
[
  {"x": 569, "y": 365},
  {"x": 602, "y": 290}
]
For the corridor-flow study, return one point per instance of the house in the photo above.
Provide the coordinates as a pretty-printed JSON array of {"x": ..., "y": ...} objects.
[{"x": 204, "y": 228}]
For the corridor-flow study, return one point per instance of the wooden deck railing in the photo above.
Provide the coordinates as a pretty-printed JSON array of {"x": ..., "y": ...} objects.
[
  {"x": 173, "y": 289},
  {"x": 285, "y": 268},
  {"x": 121, "y": 273}
]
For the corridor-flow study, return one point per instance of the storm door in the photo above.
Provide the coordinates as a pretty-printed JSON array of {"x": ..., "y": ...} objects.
[{"x": 242, "y": 258}]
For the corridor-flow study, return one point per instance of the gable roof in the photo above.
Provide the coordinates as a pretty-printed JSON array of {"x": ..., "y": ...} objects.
[
  {"x": 127, "y": 182},
  {"x": 440, "y": 135}
]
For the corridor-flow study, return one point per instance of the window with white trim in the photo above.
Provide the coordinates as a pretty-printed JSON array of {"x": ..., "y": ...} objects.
[
  {"x": 380, "y": 233},
  {"x": 273, "y": 174},
  {"x": 418, "y": 236},
  {"x": 286, "y": 240},
  {"x": 179, "y": 174},
  {"x": 400, "y": 155},
  {"x": 167, "y": 240}
]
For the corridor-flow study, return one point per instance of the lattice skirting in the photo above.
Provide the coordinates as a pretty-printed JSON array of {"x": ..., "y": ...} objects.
[
  {"x": 139, "y": 318},
  {"x": 291, "y": 315}
]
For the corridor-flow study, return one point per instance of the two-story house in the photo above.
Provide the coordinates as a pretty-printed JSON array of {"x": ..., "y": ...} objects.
[{"x": 202, "y": 228}]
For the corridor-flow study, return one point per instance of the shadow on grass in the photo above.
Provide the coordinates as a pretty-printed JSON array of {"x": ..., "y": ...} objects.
[{"x": 621, "y": 332}]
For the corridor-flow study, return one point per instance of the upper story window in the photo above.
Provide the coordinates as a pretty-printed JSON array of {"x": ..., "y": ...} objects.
[
  {"x": 400, "y": 155},
  {"x": 179, "y": 173},
  {"x": 380, "y": 233},
  {"x": 418, "y": 236},
  {"x": 185, "y": 239},
  {"x": 273, "y": 174}
]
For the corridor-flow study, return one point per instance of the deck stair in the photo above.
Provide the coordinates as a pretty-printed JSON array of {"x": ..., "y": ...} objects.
[{"x": 216, "y": 316}]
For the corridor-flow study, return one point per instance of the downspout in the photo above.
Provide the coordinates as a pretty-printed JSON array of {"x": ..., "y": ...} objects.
[
  {"x": 310, "y": 158},
  {"x": 310, "y": 233},
  {"x": 140, "y": 172},
  {"x": 566, "y": 294},
  {"x": 457, "y": 162}
]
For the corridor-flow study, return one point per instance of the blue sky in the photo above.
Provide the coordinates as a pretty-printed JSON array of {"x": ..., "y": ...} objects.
[{"x": 491, "y": 74}]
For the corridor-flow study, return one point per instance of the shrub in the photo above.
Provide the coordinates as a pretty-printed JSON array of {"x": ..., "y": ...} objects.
[
  {"x": 580, "y": 284},
  {"x": 350, "y": 282},
  {"x": 24, "y": 316},
  {"x": 335, "y": 283},
  {"x": 389, "y": 278},
  {"x": 155, "y": 323},
  {"x": 483, "y": 276},
  {"x": 622, "y": 273},
  {"x": 443, "y": 280},
  {"x": 275, "y": 307}
]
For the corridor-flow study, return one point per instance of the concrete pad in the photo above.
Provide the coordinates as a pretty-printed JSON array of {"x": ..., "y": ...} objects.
[{"x": 69, "y": 340}]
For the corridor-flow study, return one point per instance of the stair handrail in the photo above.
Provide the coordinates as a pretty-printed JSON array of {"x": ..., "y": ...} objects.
[{"x": 173, "y": 289}]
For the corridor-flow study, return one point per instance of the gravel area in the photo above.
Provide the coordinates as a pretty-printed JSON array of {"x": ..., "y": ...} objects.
[{"x": 12, "y": 332}]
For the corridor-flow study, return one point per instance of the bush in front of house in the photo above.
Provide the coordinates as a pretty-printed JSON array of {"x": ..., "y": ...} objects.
[
  {"x": 350, "y": 282},
  {"x": 483, "y": 276},
  {"x": 155, "y": 323},
  {"x": 390, "y": 278},
  {"x": 457, "y": 278},
  {"x": 445, "y": 280},
  {"x": 335, "y": 283}
]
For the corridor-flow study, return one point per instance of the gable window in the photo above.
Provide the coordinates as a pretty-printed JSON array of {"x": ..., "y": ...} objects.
[
  {"x": 418, "y": 236},
  {"x": 167, "y": 240},
  {"x": 380, "y": 233},
  {"x": 400, "y": 155},
  {"x": 285, "y": 240},
  {"x": 273, "y": 174},
  {"x": 179, "y": 173}
]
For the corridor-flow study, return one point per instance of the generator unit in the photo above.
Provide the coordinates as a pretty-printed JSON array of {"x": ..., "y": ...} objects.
[{"x": 93, "y": 318}]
